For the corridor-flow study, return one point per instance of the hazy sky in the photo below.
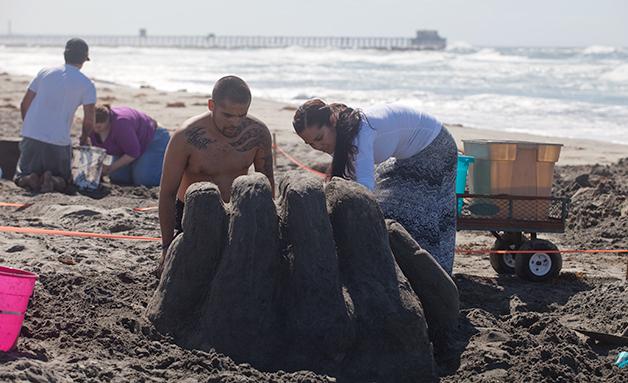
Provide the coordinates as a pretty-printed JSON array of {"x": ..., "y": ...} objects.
[{"x": 479, "y": 22}]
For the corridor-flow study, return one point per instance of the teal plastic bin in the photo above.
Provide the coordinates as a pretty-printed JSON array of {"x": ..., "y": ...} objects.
[{"x": 461, "y": 175}]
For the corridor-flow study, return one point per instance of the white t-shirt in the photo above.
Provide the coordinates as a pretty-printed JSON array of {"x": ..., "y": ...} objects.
[
  {"x": 390, "y": 131},
  {"x": 59, "y": 92}
]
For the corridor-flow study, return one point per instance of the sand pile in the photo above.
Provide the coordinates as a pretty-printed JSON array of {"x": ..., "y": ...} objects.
[
  {"x": 312, "y": 286},
  {"x": 598, "y": 215},
  {"x": 523, "y": 332}
]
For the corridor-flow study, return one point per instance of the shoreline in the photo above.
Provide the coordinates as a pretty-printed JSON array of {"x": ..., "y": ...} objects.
[{"x": 171, "y": 108}]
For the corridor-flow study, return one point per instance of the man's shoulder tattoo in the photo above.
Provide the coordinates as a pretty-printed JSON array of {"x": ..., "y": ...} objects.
[
  {"x": 196, "y": 136},
  {"x": 253, "y": 135}
]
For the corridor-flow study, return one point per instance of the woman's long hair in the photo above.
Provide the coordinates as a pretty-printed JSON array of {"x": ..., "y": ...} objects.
[
  {"x": 103, "y": 112},
  {"x": 317, "y": 113}
]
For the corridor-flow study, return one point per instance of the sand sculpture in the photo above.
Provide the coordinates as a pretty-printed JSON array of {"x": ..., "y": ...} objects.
[{"x": 322, "y": 282}]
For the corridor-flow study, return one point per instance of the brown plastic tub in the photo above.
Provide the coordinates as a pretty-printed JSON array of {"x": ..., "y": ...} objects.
[{"x": 516, "y": 168}]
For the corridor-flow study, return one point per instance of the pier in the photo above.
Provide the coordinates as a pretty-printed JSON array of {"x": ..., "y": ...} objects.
[{"x": 425, "y": 40}]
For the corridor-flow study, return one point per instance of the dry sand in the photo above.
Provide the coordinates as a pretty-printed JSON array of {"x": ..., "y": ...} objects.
[{"x": 85, "y": 320}]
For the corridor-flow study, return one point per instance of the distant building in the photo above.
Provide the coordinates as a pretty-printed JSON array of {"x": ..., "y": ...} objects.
[
  {"x": 143, "y": 32},
  {"x": 429, "y": 40}
]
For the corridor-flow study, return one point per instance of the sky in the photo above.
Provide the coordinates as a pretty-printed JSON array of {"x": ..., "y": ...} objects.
[{"x": 478, "y": 22}]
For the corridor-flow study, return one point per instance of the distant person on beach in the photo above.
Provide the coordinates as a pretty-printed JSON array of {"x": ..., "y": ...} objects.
[
  {"x": 135, "y": 140},
  {"x": 217, "y": 146},
  {"x": 48, "y": 109},
  {"x": 414, "y": 182}
]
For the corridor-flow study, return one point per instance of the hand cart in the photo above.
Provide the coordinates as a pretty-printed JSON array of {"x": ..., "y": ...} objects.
[{"x": 515, "y": 222}]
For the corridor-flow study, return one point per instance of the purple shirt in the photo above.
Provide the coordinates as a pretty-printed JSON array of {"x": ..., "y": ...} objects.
[{"x": 131, "y": 132}]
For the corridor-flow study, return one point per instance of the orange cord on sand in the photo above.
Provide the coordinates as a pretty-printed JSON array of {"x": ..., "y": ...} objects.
[
  {"x": 477, "y": 252},
  {"x": 32, "y": 230},
  {"x": 145, "y": 208},
  {"x": 11, "y": 204},
  {"x": 297, "y": 162}
]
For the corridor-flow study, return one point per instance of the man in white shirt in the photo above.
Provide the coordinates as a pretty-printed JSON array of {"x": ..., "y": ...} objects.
[{"x": 48, "y": 109}]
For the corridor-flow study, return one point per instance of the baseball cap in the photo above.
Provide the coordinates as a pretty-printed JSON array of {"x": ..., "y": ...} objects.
[{"x": 77, "y": 49}]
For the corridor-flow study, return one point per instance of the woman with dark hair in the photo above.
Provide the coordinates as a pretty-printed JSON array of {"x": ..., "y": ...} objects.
[
  {"x": 135, "y": 140},
  {"x": 414, "y": 181}
]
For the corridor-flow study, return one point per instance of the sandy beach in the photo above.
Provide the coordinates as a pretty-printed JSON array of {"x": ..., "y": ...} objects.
[{"x": 86, "y": 318}]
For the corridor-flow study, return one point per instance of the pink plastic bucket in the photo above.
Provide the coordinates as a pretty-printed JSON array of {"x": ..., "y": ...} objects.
[{"x": 16, "y": 287}]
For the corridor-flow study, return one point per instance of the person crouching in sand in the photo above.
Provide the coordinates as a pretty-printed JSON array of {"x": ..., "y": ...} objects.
[
  {"x": 217, "y": 146},
  {"x": 414, "y": 182}
]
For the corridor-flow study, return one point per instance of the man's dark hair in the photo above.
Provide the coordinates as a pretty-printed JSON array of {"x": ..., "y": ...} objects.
[
  {"x": 76, "y": 51},
  {"x": 231, "y": 88}
]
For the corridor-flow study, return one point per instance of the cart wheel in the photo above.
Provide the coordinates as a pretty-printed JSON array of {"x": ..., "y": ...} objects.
[
  {"x": 539, "y": 266},
  {"x": 503, "y": 263}
]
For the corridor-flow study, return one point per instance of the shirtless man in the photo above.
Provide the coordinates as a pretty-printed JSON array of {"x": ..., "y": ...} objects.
[{"x": 216, "y": 146}]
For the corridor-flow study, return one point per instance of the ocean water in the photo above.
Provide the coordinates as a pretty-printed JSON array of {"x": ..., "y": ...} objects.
[{"x": 563, "y": 92}]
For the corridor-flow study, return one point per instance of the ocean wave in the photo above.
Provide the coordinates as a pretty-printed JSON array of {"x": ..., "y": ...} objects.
[
  {"x": 493, "y": 55},
  {"x": 619, "y": 74},
  {"x": 460, "y": 47},
  {"x": 604, "y": 52},
  {"x": 599, "y": 50}
]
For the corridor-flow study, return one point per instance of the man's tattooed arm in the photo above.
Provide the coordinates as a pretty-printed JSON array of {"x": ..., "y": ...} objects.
[
  {"x": 196, "y": 136},
  {"x": 264, "y": 157},
  {"x": 267, "y": 165}
]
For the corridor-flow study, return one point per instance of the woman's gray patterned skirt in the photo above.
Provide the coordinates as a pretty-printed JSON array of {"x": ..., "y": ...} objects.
[{"x": 420, "y": 193}]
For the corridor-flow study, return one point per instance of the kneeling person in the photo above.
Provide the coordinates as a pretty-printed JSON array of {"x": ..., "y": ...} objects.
[
  {"x": 135, "y": 140},
  {"x": 217, "y": 146},
  {"x": 48, "y": 108}
]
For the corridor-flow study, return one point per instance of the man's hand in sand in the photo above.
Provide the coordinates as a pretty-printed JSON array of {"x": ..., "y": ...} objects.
[
  {"x": 162, "y": 263},
  {"x": 216, "y": 146}
]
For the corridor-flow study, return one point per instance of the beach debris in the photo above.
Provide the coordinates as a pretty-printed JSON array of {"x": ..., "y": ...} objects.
[
  {"x": 125, "y": 277},
  {"x": 67, "y": 260},
  {"x": 120, "y": 227},
  {"x": 311, "y": 284},
  {"x": 15, "y": 249},
  {"x": 622, "y": 359},
  {"x": 606, "y": 338},
  {"x": 176, "y": 104}
]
